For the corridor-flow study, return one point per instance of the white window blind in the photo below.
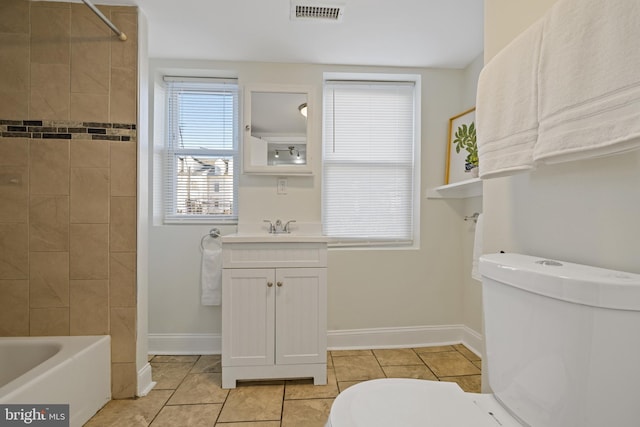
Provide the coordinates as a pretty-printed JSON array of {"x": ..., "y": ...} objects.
[
  {"x": 368, "y": 162},
  {"x": 201, "y": 166}
]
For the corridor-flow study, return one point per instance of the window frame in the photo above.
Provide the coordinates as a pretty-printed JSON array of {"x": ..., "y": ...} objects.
[
  {"x": 368, "y": 242},
  {"x": 171, "y": 153}
]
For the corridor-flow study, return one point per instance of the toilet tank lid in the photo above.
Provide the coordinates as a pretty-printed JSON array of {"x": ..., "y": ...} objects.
[{"x": 577, "y": 283}]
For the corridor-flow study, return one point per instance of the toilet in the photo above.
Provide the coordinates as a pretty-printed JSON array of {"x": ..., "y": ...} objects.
[{"x": 562, "y": 345}]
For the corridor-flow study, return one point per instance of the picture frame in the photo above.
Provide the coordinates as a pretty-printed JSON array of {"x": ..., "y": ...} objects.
[{"x": 455, "y": 170}]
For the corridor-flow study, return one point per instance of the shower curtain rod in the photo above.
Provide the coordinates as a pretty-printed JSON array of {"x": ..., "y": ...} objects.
[{"x": 122, "y": 36}]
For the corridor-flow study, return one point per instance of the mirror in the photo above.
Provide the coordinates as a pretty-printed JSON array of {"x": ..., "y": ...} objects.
[{"x": 276, "y": 130}]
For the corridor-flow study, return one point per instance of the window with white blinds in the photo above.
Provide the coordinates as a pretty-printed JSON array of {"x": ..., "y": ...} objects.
[
  {"x": 368, "y": 162},
  {"x": 202, "y": 160}
]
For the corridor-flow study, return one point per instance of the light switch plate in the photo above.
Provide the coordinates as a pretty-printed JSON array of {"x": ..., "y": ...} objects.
[{"x": 282, "y": 185}]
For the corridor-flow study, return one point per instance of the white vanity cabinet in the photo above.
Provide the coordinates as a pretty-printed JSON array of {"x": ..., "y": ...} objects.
[{"x": 274, "y": 308}]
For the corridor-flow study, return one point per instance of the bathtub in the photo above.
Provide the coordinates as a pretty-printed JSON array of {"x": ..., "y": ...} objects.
[{"x": 57, "y": 370}]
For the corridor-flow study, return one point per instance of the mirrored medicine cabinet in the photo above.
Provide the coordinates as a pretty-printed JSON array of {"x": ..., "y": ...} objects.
[{"x": 276, "y": 130}]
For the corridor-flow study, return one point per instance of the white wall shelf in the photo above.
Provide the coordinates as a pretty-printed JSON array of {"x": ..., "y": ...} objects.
[{"x": 458, "y": 190}]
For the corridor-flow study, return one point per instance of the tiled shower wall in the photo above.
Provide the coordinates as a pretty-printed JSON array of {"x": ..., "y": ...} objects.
[{"x": 68, "y": 176}]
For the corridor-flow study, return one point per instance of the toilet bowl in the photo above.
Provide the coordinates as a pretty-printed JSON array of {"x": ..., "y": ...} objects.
[{"x": 415, "y": 403}]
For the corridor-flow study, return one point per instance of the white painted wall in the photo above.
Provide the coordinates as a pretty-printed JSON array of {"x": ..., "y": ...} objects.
[
  {"x": 471, "y": 288},
  {"x": 366, "y": 288}
]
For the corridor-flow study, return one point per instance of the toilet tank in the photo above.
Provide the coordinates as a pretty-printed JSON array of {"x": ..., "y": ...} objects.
[{"x": 562, "y": 341}]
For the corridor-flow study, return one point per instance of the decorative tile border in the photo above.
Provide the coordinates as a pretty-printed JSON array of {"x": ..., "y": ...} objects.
[{"x": 60, "y": 129}]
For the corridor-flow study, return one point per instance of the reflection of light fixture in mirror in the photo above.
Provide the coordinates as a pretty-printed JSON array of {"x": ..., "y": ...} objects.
[
  {"x": 297, "y": 154},
  {"x": 303, "y": 109},
  {"x": 277, "y": 154},
  {"x": 291, "y": 148}
]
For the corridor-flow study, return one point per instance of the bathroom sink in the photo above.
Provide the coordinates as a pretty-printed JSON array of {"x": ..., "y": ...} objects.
[{"x": 274, "y": 238}]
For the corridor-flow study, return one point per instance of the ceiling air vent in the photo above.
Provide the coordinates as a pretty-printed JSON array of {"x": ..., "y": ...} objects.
[{"x": 316, "y": 11}]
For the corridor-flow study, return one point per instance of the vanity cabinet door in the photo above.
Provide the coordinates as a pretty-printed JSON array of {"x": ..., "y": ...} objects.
[
  {"x": 301, "y": 315},
  {"x": 248, "y": 317}
]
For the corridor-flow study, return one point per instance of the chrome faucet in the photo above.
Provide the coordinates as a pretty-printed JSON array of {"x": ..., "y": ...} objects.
[{"x": 278, "y": 227}]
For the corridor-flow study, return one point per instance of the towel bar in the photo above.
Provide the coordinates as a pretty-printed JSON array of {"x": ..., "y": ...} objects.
[
  {"x": 213, "y": 233},
  {"x": 473, "y": 217}
]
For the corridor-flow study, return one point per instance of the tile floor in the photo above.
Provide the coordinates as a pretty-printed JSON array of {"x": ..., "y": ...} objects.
[{"x": 188, "y": 389}]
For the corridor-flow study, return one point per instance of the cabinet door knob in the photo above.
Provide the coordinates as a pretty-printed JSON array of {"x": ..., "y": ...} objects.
[
  {"x": 279, "y": 284},
  {"x": 269, "y": 284}
]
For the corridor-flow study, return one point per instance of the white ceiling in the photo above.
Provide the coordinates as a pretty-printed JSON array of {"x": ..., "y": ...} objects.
[{"x": 414, "y": 33}]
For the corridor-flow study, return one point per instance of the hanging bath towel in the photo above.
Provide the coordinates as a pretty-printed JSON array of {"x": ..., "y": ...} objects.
[{"x": 211, "y": 276}]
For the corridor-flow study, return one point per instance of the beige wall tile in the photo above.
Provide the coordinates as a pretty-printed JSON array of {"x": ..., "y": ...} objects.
[
  {"x": 123, "y": 380},
  {"x": 124, "y": 160},
  {"x": 89, "y": 195},
  {"x": 123, "y": 96},
  {"x": 49, "y": 169},
  {"x": 14, "y": 151},
  {"x": 89, "y": 307},
  {"x": 89, "y": 251},
  {"x": 48, "y": 279},
  {"x": 50, "y": 92},
  {"x": 14, "y": 105},
  {"x": 123, "y": 334},
  {"x": 88, "y": 107},
  {"x": 14, "y": 185},
  {"x": 90, "y": 52},
  {"x": 49, "y": 322},
  {"x": 14, "y": 16},
  {"x": 49, "y": 223},
  {"x": 122, "y": 279},
  {"x": 122, "y": 234},
  {"x": 89, "y": 154},
  {"x": 14, "y": 256},
  {"x": 14, "y": 57},
  {"x": 125, "y": 54},
  {"x": 14, "y": 308},
  {"x": 50, "y": 30}
]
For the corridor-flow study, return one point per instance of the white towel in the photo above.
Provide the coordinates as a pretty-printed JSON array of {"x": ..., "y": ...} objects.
[
  {"x": 477, "y": 250},
  {"x": 589, "y": 80},
  {"x": 211, "y": 276},
  {"x": 507, "y": 107}
]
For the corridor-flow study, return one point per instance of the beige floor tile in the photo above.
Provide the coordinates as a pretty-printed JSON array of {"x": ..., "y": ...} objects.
[
  {"x": 477, "y": 363},
  {"x": 340, "y": 353},
  {"x": 449, "y": 364},
  {"x": 420, "y": 372},
  {"x": 210, "y": 363},
  {"x": 304, "y": 389},
  {"x": 343, "y": 385},
  {"x": 251, "y": 424},
  {"x": 357, "y": 368},
  {"x": 329, "y": 360},
  {"x": 199, "y": 388},
  {"x": 253, "y": 403},
  {"x": 397, "y": 356},
  {"x": 306, "y": 413},
  {"x": 187, "y": 415},
  {"x": 130, "y": 412},
  {"x": 169, "y": 375},
  {"x": 434, "y": 349},
  {"x": 467, "y": 353},
  {"x": 175, "y": 359},
  {"x": 469, "y": 383}
]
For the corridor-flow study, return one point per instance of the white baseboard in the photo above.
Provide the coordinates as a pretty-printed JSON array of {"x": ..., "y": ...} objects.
[
  {"x": 180, "y": 344},
  {"x": 145, "y": 383},
  {"x": 412, "y": 336},
  {"x": 347, "y": 339}
]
